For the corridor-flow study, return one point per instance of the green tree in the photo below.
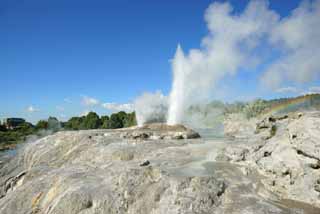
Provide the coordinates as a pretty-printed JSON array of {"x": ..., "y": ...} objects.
[
  {"x": 116, "y": 121},
  {"x": 25, "y": 129},
  {"x": 42, "y": 124},
  {"x": 74, "y": 123},
  {"x": 105, "y": 122},
  {"x": 91, "y": 121},
  {"x": 255, "y": 108},
  {"x": 130, "y": 120},
  {"x": 2, "y": 127}
]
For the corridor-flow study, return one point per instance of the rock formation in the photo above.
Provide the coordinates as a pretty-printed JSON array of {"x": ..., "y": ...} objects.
[
  {"x": 158, "y": 131},
  {"x": 156, "y": 169},
  {"x": 286, "y": 150}
]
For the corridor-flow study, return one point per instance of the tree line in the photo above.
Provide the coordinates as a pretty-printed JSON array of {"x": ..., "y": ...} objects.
[
  {"x": 90, "y": 121},
  {"x": 93, "y": 121}
]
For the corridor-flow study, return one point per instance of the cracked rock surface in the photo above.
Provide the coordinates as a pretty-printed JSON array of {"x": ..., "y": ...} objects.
[
  {"x": 103, "y": 171},
  {"x": 289, "y": 158}
]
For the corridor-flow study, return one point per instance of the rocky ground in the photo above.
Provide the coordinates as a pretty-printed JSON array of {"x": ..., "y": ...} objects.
[
  {"x": 161, "y": 169},
  {"x": 285, "y": 149}
]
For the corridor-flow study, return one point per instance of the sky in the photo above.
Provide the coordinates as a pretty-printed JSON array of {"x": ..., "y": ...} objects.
[{"x": 64, "y": 58}]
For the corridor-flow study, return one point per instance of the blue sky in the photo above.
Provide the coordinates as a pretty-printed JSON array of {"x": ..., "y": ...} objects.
[{"x": 53, "y": 53}]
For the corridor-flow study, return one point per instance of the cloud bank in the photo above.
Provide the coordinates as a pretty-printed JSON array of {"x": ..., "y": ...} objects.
[
  {"x": 114, "y": 107},
  {"x": 67, "y": 100},
  {"x": 32, "y": 109},
  {"x": 288, "y": 89},
  {"x": 89, "y": 101},
  {"x": 315, "y": 89},
  {"x": 298, "y": 39}
]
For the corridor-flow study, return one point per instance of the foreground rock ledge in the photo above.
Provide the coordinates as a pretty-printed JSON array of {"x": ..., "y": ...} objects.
[
  {"x": 98, "y": 171},
  {"x": 103, "y": 171}
]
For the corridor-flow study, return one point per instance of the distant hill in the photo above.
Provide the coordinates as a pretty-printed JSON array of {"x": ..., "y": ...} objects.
[
  {"x": 300, "y": 103},
  {"x": 212, "y": 114}
]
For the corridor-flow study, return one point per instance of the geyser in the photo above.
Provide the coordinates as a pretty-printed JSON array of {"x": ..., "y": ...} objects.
[
  {"x": 232, "y": 42},
  {"x": 241, "y": 41},
  {"x": 177, "y": 98}
]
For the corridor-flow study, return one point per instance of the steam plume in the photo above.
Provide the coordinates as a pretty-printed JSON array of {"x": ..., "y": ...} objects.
[
  {"x": 284, "y": 51},
  {"x": 151, "y": 107},
  {"x": 229, "y": 46}
]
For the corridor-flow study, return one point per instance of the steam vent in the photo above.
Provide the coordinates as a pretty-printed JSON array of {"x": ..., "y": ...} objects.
[{"x": 156, "y": 131}]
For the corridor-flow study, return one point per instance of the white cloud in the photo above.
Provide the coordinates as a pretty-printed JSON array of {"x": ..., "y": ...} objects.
[
  {"x": 32, "y": 109},
  {"x": 60, "y": 108},
  {"x": 288, "y": 89},
  {"x": 67, "y": 100},
  {"x": 309, "y": 92},
  {"x": 316, "y": 89},
  {"x": 89, "y": 101},
  {"x": 114, "y": 107},
  {"x": 298, "y": 39},
  {"x": 84, "y": 113},
  {"x": 312, "y": 90}
]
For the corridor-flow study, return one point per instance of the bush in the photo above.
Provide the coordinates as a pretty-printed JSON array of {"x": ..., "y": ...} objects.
[
  {"x": 74, "y": 123},
  {"x": 91, "y": 121},
  {"x": 116, "y": 121},
  {"x": 273, "y": 130},
  {"x": 3, "y": 128},
  {"x": 130, "y": 120},
  {"x": 25, "y": 129},
  {"x": 42, "y": 124},
  {"x": 105, "y": 122},
  {"x": 255, "y": 108}
]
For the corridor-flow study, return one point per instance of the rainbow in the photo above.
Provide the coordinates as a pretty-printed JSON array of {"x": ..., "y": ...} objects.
[{"x": 293, "y": 104}]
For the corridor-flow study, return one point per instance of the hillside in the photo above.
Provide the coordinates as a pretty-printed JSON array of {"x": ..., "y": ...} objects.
[{"x": 212, "y": 115}]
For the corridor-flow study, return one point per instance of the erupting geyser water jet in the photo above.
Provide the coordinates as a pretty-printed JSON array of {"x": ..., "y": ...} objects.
[{"x": 177, "y": 98}]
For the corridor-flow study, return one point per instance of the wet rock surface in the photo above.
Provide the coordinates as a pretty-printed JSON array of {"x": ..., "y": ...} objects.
[
  {"x": 286, "y": 150},
  {"x": 101, "y": 171}
]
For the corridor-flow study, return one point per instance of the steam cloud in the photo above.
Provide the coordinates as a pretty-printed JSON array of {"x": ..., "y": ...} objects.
[
  {"x": 298, "y": 36},
  {"x": 235, "y": 42},
  {"x": 283, "y": 51},
  {"x": 229, "y": 46},
  {"x": 151, "y": 107}
]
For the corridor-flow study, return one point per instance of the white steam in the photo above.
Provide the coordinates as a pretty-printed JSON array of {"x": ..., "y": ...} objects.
[
  {"x": 298, "y": 37},
  {"x": 229, "y": 46},
  {"x": 282, "y": 51},
  {"x": 151, "y": 107}
]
